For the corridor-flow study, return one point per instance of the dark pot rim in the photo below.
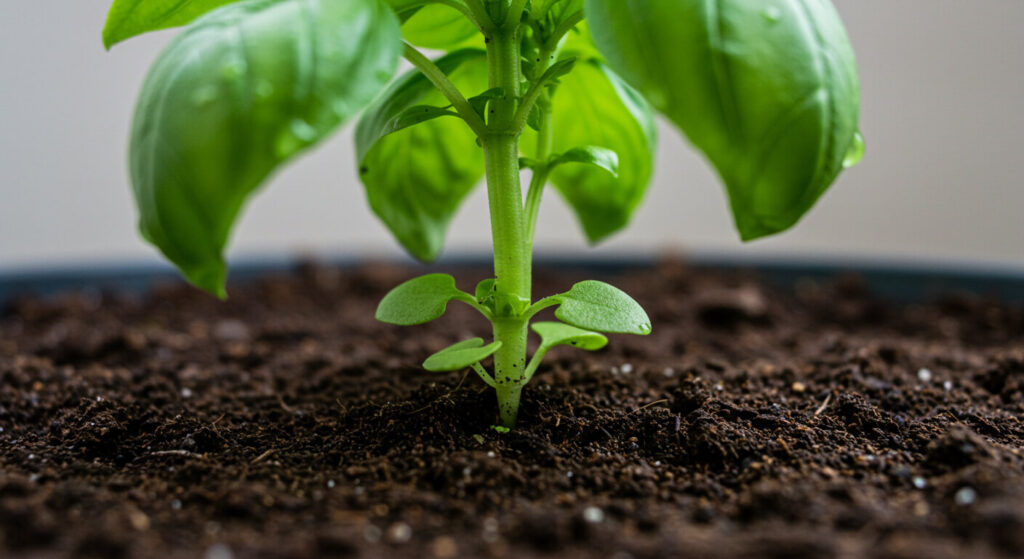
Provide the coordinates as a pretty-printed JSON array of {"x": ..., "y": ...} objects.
[{"x": 898, "y": 280}]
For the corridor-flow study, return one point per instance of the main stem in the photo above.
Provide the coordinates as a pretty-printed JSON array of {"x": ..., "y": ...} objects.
[{"x": 512, "y": 254}]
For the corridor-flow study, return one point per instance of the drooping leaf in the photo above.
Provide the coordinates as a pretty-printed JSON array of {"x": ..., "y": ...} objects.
[
  {"x": 418, "y": 300},
  {"x": 128, "y": 18},
  {"x": 437, "y": 26},
  {"x": 461, "y": 355},
  {"x": 244, "y": 89},
  {"x": 591, "y": 155},
  {"x": 595, "y": 305},
  {"x": 767, "y": 90},
  {"x": 555, "y": 333},
  {"x": 593, "y": 107},
  {"x": 416, "y": 178}
]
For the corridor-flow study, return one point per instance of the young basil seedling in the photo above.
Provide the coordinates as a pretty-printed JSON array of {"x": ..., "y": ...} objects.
[{"x": 768, "y": 91}]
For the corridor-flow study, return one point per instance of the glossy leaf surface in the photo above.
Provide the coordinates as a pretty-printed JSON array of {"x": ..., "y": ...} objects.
[
  {"x": 767, "y": 90},
  {"x": 555, "y": 333},
  {"x": 441, "y": 27},
  {"x": 591, "y": 155},
  {"x": 461, "y": 355},
  {"x": 593, "y": 107},
  {"x": 598, "y": 306},
  {"x": 416, "y": 178},
  {"x": 418, "y": 300},
  {"x": 128, "y": 18},
  {"x": 242, "y": 90}
]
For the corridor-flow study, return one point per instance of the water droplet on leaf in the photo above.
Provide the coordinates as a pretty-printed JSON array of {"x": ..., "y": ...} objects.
[
  {"x": 772, "y": 14},
  {"x": 856, "y": 151}
]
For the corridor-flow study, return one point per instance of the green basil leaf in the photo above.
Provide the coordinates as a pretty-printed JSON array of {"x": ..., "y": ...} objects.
[
  {"x": 418, "y": 300},
  {"x": 441, "y": 27},
  {"x": 416, "y": 178},
  {"x": 243, "y": 90},
  {"x": 592, "y": 155},
  {"x": 595, "y": 305},
  {"x": 461, "y": 355},
  {"x": 592, "y": 106},
  {"x": 555, "y": 333},
  {"x": 128, "y": 18},
  {"x": 767, "y": 90}
]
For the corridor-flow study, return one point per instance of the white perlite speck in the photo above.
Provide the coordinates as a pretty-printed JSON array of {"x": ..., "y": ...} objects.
[{"x": 593, "y": 515}]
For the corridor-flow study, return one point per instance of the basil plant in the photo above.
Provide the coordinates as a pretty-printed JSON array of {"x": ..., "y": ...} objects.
[{"x": 567, "y": 89}]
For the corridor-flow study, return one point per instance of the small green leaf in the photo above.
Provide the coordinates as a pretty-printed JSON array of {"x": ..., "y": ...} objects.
[
  {"x": 592, "y": 155},
  {"x": 767, "y": 90},
  {"x": 416, "y": 178},
  {"x": 533, "y": 119},
  {"x": 595, "y": 305},
  {"x": 485, "y": 293},
  {"x": 461, "y": 355},
  {"x": 556, "y": 333},
  {"x": 243, "y": 90},
  {"x": 560, "y": 68},
  {"x": 479, "y": 102},
  {"x": 413, "y": 116},
  {"x": 128, "y": 18},
  {"x": 508, "y": 305},
  {"x": 418, "y": 300}
]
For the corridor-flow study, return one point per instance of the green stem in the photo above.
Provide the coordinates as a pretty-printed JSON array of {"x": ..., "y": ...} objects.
[
  {"x": 512, "y": 265},
  {"x": 446, "y": 87},
  {"x": 545, "y": 136}
]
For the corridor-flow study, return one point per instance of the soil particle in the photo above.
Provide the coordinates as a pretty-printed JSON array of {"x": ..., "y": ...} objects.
[{"x": 286, "y": 422}]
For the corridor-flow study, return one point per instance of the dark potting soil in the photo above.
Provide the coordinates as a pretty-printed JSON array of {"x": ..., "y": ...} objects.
[{"x": 286, "y": 422}]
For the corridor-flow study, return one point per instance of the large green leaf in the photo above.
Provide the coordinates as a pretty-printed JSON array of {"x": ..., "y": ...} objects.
[
  {"x": 416, "y": 178},
  {"x": 128, "y": 18},
  {"x": 593, "y": 107},
  {"x": 442, "y": 27},
  {"x": 243, "y": 90},
  {"x": 767, "y": 90}
]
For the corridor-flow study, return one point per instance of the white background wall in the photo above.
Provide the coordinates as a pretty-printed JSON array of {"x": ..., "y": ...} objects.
[{"x": 943, "y": 114}]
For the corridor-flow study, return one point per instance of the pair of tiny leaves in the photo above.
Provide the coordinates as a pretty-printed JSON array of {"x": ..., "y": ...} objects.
[
  {"x": 470, "y": 352},
  {"x": 591, "y": 305}
]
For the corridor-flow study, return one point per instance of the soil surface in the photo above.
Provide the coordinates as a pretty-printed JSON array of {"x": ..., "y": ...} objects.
[{"x": 286, "y": 422}]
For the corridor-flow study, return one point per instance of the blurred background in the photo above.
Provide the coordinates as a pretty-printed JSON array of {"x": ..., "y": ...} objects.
[{"x": 942, "y": 81}]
